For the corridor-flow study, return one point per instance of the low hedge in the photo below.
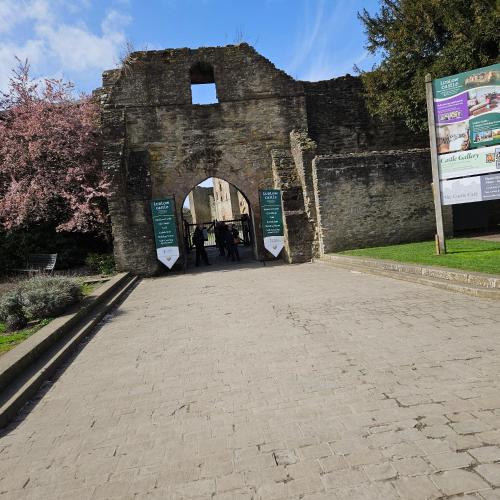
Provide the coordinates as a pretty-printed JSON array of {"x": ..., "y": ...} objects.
[{"x": 38, "y": 298}]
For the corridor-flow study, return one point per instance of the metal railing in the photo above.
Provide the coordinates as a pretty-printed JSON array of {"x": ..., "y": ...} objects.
[{"x": 210, "y": 227}]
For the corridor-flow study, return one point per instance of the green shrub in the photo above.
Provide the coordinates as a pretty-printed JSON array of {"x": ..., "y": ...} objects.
[
  {"x": 100, "y": 263},
  {"x": 47, "y": 296},
  {"x": 11, "y": 311},
  {"x": 15, "y": 323},
  {"x": 37, "y": 298}
]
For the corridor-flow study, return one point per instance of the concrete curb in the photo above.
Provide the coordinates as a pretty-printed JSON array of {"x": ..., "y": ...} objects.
[
  {"x": 24, "y": 369},
  {"x": 470, "y": 283}
]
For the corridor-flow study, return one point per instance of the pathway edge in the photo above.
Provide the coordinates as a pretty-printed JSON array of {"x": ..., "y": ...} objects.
[
  {"x": 24, "y": 369},
  {"x": 467, "y": 282}
]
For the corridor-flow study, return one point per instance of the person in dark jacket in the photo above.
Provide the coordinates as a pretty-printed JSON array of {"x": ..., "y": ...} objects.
[
  {"x": 219, "y": 238},
  {"x": 245, "y": 223},
  {"x": 199, "y": 243},
  {"x": 231, "y": 243}
]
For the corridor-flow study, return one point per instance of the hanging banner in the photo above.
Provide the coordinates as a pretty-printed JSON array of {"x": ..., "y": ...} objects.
[
  {"x": 271, "y": 213},
  {"x": 165, "y": 228}
]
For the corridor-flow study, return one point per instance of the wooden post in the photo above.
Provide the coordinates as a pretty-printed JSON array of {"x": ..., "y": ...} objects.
[{"x": 436, "y": 190}]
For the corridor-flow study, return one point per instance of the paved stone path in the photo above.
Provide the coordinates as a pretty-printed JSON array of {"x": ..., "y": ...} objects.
[{"x": 294, "y": 382}]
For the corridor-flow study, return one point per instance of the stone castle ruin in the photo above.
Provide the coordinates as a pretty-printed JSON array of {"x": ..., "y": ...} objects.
[
  {"x": 222, "y": 202},
  {"x": 347, "y": 180}
]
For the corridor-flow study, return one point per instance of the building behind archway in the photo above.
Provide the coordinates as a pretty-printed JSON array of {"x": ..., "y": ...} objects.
[
  {"x": 221, "y": 202},
  {"x": 347, "y": 180}
]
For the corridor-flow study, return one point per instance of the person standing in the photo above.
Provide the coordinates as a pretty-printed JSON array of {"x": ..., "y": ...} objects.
[
  {"x": 199, "y": 243},
  {"x": 231, "y": 245},
  {"x": 245, "y": 222},
  {"x": 219, "y": 238}
]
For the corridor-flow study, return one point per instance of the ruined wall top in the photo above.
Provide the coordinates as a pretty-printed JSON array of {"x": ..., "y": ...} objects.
[
  {"x": 337, "y": 118},
  {"x": 164, "y": 77}
]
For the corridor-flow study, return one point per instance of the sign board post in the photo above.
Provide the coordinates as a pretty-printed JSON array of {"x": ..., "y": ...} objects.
[
  {"x": 436, "y": 192},
  {"x": 165, "y": 228},
  {"x": 271, "y": 213},
  {"x": 464, "y": 129}
]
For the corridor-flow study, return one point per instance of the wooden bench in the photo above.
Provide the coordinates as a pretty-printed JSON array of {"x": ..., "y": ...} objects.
[{"x": 39, "y": 263}]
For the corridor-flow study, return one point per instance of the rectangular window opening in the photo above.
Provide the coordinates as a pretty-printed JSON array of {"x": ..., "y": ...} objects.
[{"x": 204, "y": 93}]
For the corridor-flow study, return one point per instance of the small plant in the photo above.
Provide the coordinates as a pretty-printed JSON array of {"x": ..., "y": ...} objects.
[
  {"x": 38, "y": 298},
  {"x": 47, "y": 296},
  {"x": 100, "y": 263},
  {"x": 11, "y": 311}
]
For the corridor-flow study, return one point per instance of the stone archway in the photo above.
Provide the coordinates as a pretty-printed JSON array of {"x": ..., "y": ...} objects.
[
  {"x": 213, "y": 203},
  {"x": 201, "y": 165},
  {"x": 157, "y": 144}
]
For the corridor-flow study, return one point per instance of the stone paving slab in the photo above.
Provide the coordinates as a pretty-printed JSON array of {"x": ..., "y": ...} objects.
[{"x": 306, "y": 381}]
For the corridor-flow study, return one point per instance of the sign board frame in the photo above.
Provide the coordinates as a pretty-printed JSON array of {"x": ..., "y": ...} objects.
[{"x": 464, "y": 129}]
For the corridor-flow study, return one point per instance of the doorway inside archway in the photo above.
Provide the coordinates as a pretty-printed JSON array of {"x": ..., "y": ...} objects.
[{"x": 217, "y": 225}]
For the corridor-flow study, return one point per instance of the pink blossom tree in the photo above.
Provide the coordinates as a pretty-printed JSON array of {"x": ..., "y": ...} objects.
[{"x": 50, "y": 157}]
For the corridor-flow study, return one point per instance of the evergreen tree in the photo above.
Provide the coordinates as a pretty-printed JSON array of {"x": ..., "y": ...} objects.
[{"x": 415, "y": 37}]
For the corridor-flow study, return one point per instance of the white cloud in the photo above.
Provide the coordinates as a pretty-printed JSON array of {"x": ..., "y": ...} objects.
[
  {"x": 77, "y": 49},
  {"x": 56, "y": 45},
  {"x": 314, "y": 58},
  {"x": 33, "y": 50},
  {"x": 114, "y": 22},
  {"x": 311, "y": 31},
  {"x": 15, "y": 12}
]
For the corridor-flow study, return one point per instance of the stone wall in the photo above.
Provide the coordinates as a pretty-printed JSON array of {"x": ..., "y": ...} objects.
[
  {"x": 266, "y": 130},
  {"x": 147, "y": 114},
  {"x": 226, "y": 197},
  {"x": 339, "y": 122},
  {"x": 300, "y": 229},
  {"x": 372, "y": 199},
  {"x": 202, "y": 204}
]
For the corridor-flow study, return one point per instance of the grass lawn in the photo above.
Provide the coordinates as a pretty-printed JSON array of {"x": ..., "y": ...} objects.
[
  {"x": 88, "y": 288},
  {"x": 11, "y": 339},
  {"x": 463, "y": 253}
]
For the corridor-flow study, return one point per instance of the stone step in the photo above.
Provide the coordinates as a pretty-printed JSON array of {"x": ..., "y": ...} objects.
[
  {"x": 458, "y": 285},
  {"x": 25, "y": 385}
]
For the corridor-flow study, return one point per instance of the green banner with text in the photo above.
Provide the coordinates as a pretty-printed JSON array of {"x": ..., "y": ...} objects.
[
  {"x": 165, "y": 229},
  {"x": 271, "y": 213}
]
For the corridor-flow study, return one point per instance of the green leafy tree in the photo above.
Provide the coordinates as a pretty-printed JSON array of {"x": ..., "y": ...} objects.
[{"x": 416, "y": 37}]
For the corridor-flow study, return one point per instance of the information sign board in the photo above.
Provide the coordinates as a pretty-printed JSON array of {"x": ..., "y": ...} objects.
[
  {"x": 471, "y": 189},
  {"x": 165, "y": 228},
  {"x": 272, "y": 220},
  {"x": 466, "y": 111}
]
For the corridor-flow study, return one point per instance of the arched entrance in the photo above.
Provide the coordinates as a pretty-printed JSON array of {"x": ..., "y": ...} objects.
[
  {"x": 224, "y": 215},
  {"x": 159, "y": 142}
]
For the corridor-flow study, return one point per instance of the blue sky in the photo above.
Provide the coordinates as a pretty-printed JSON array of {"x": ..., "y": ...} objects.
[{"x": 78, "y": 39}]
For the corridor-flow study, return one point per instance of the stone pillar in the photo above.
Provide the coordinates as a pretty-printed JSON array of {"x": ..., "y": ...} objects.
[
  {"x": 299, "y": 229},
  {"x": 129, "y": 199}
]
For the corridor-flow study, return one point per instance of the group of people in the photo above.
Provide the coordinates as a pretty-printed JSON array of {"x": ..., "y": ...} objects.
[{"x": 227, "y": 239}]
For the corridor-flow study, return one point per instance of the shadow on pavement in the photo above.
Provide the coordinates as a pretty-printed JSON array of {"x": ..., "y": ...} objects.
[
  {"x": 220, "y": 263},
  {"x": 49, "y": 382}
]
